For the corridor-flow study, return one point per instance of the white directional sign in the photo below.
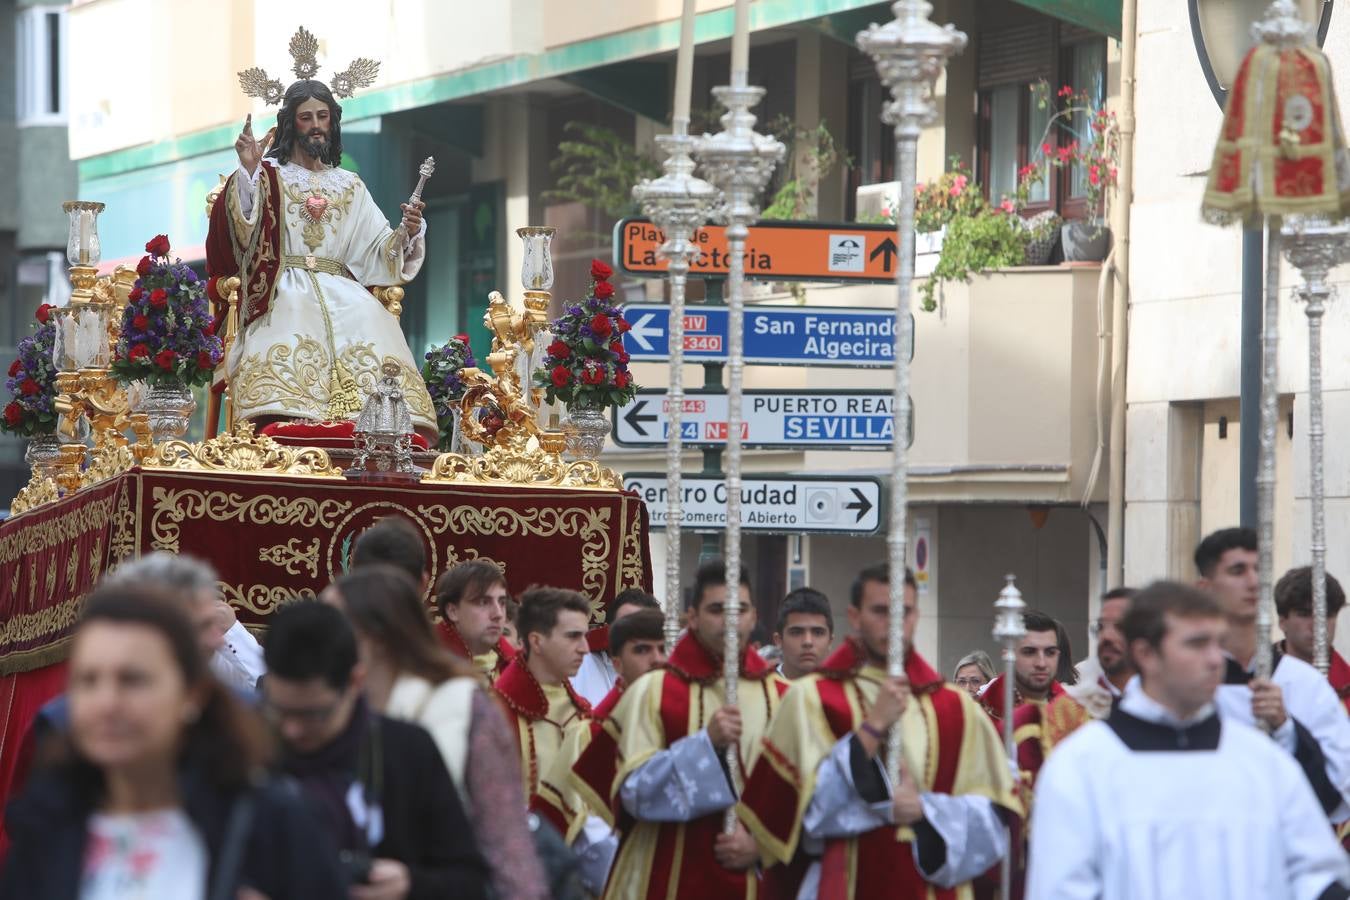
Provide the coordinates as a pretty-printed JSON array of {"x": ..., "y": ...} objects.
[
  {"x": 771, "y": 419},
  {"x": 784, "y": 504}
]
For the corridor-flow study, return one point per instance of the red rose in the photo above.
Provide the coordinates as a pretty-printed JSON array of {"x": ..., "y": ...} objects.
[
  {"x": 143, "y": 267},
  {"x": 140, "y": 323},
  {"x": 158, "y": 245},
  {"x": 165, "y": 359},
  {"x": 462, "y": 338},
  {"x": 600, "y": 326},
  {"x": 13, "y": 414},
  {"x": 603, "y": 290},
  {"x": 140, "y": 351},
  {"x": 136, "y": 294},
  {"x": 210, "y": 330},
  {"x": 29, "y": 387},
  {"x": 14, "y": 367},
  {"x": 44, "y": 313},
  {"x": 622, "y": 379},
  {"x": 559, "y": 350},
  {"x": 159, "y": 298},
  {"x": 561, "y": 376},
  {"x": 594, "y": 375},
  {"x": 600, "y": 271},
  {"x": 622, "y": 324},
  {"x": 204, "y": 360}
]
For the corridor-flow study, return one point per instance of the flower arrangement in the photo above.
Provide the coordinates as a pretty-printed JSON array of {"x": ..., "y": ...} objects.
[
  {"x": 586, "y": 365},
  {"x": 441, "y": 374},
  {"x": 168, "y": 335},
  {"x": 1093, "y": 148},
  {"x": 954, "y": 195},
  {"x": 32, "y": 382}
]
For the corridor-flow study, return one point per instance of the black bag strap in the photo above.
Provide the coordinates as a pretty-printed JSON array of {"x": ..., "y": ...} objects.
[{"x": 223, "y": 886}]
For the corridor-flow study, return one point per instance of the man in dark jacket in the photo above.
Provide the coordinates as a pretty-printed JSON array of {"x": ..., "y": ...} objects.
[{"x": 378, "y": 785}]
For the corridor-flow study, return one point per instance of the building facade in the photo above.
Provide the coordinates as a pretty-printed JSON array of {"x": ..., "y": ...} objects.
[{"x": 1009, "y": 452}]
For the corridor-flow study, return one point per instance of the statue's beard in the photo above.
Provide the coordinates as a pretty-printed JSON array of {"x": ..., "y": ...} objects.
[{"x": 315, "y": 145}]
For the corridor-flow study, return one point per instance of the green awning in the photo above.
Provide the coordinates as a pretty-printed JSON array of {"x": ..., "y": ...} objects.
[{"x": 1098, "y": 15}]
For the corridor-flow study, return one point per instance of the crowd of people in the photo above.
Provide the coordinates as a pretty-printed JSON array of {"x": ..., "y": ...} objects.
[{"x": 505, "y": 749}]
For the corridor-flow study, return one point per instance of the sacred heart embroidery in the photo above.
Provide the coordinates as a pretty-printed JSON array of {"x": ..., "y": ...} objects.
[{"x": 315, "y": 207}]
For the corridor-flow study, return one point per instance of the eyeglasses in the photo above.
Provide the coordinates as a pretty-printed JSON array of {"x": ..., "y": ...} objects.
[{"x": 970, "y": 681}]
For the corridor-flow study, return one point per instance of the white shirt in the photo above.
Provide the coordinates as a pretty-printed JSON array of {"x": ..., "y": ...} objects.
[
  {"x": 238, "y": 664},
  {"x": 143, "y": 856},
  {"x": 1238, "y": 822},
  {"x": 595, "y": 678}
]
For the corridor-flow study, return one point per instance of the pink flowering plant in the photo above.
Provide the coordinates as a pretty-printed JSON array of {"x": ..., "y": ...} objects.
[
  {"x": 1093, "y": 145},
  {"x": 168, "y": 334},
  {"x": 586, "y": 364},
  {"x": 955, "y": 194}
]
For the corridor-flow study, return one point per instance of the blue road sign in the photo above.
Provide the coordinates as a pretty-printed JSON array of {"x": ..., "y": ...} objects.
[{"x": 774, "y": 335}]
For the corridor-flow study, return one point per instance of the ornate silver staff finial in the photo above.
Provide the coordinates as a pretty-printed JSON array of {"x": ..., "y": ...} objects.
[
  {"x": 1009, "y": 629},
  {"x": 910, "y": 52},
  {"x": 678, "y": 203},
  {"x": 1315, "y": 246}
]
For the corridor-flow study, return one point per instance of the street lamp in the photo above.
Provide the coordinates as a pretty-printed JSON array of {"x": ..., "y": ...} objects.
[{"x": 1222, "y": 31}]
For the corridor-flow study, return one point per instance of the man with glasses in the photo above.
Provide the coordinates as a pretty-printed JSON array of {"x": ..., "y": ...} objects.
[
  {"x": 1102, "y": 678},
  {"x": 377, "y": 784},
  {"x": 472, "y": 598}
]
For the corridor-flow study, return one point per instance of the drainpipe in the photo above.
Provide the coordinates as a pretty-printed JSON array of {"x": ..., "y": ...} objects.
[{"x": 1120, "y": 300}]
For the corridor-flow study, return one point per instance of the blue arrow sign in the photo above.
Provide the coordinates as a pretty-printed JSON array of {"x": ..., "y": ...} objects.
[{"x": 774, "y": 335}]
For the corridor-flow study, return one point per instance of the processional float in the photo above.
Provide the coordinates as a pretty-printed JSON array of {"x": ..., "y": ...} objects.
[{"x": 1276, "y": 167}]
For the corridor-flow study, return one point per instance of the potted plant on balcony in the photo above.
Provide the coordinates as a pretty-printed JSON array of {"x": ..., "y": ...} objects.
[
  {"x": 32, "y": 385},
  {"x": 167, "y": 341},
  {"x": 1094, "y": 150}
]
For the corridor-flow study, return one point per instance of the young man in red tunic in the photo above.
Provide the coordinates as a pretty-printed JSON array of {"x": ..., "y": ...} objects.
[
  {"x": 472, "y": 598},
  {"x": 1293, "y": 603},
  {"x": 820, "y": 782},
  {"x": 636, "y": 646},
  {"x": 534, "y": 691},
  {"x": 658, "y": 768}
]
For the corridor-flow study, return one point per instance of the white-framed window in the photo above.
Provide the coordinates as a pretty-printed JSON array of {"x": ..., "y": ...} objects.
[{"x": 40, "y": 57}]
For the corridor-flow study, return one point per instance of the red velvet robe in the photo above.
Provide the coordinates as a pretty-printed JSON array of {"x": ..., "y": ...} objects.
[
  {"x": 658, "y": 860},
  {"x": 950, "y": 746},
  {"x": 454, "y": 642},
  {"x": 539, "y": 730}
]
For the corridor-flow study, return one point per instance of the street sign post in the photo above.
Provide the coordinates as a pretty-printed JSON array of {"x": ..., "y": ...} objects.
[
  {"x": 781, "y": 504},
  {"x": 775, "y": 251},
  {"x": 772, "y": 419},
  {"x": 838, "y": 337}
]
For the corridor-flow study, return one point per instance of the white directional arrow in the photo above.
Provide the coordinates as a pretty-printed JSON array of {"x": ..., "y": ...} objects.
[{"x": 642, "y": 329}]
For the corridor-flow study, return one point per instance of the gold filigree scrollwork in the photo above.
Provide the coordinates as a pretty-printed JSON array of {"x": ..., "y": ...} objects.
[
  {"x": 471, "y": 554},
  {"x": 69, "y": 525},
  {"x": 291, "y": 555},
  {"x": 28, "y": 627},
  {"x": 124, "y": 528},
  {"x": 243, "y": 451},
  {"x": 630, "y": 566},
  {"x": 261, "y": 598},
  {"x": 110, "y": 459},
  {"x": 37, "y": 492},
  {"x": 96, "y": 560},
  {"x": 172, "y": 507},
  {"x": 535, "y": 468},
  {"x": 591, "y": 525}
]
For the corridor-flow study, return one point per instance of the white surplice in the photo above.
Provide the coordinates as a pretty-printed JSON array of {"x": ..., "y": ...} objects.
[
  {"x": 1235, "y": 822},
  {"x": 325, "y": 334}
]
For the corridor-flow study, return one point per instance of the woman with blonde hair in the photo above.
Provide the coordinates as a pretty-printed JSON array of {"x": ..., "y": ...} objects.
[{"x": 973, "y": 671}]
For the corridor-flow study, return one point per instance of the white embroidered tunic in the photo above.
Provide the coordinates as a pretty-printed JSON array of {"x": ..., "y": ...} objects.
[{"x": 316, "y": 353}]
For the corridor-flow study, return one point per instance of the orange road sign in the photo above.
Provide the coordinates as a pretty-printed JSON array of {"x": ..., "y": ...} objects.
[{"x": 775, "y": 251}]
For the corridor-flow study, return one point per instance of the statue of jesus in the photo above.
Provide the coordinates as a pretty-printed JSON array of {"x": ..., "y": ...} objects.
[{"x": 307, "y": 241}]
